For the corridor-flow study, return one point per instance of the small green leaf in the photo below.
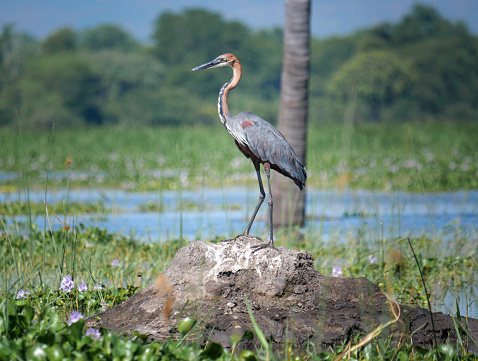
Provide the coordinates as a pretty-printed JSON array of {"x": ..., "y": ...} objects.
[
  {"x": 186, "y": 325},
  {"x": 76, "y": 330},
  {"x": 55, "y": 353},
  {"x": 48, "y": 338},
  {"x": 368, "y": 352},
  {"x": 247, "y": 355},
  {"x": 235, "y": 338},
  {"x": 147, "y": 354},
  {"x": 213, "y": 351},
  {"x": 248, "y": 335},
  {"x": 140, "y": 336},
  {"x": 36, "y": 352},
  {"x": 5, "y": 350},
  {"x": 446, "y": 350},
  {"x": 326, "y": 356},
  {"x": 28, "y": 312},
  {"x": 458, "y": 315},
  {"x": 402, "y": 356}
]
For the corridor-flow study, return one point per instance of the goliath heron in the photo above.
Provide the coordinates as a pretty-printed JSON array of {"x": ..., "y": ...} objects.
[{"x": 257, "y": 139}]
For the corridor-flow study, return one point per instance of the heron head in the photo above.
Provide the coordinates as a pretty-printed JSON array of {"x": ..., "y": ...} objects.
[{"x": 227, "y": 59}]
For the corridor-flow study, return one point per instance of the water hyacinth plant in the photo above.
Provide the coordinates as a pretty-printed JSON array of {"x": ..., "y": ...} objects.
[
  {"x": 98, "y": 287},
  {"x": 337, "y": 271},
  {"x": 74, "y": 317},
  {"x": 83, "y": 287},
  {"x": 22, "y": 294},
  {"x": 67, "y": 284},
  {"x": 115, "y": 263},
  {"x": 94, "y": 333}
]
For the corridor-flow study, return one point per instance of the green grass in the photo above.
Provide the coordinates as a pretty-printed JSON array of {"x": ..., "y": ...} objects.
[
  {"x": 413, "y": 157},
  {"x": 419, "y": 157},
  {"x": 15, "y": 208},
  {"x": 94, "y": 256}
]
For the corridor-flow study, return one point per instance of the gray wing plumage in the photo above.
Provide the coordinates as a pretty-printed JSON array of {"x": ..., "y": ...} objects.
[{"x": 270, "y": 146}]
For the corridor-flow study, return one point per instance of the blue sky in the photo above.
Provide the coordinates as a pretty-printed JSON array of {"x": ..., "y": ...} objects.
[{"x": 329, "y": 17}]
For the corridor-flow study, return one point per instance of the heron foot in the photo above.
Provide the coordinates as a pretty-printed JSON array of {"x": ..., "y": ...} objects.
[
  {"x": 228, "y": 240},
  {"x": 238, "y": 236},
  {"x": 247, "y": 235},
  {"x": 263, "y": 246}
]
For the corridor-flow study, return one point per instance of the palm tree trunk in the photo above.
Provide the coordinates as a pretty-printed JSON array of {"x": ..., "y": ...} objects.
[{"x": 289, "y": 201}]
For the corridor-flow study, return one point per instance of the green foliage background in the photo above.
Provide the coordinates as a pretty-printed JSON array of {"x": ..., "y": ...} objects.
[{"x": 420, "y": 68}]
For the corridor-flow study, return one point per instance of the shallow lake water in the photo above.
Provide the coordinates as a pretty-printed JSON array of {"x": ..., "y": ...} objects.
[
  {"x": 337, "y": 216},
  {"x": 207, "y": 213}
]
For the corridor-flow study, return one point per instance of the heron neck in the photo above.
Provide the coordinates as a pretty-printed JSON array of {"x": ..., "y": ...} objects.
[{"x": 222, "y": 106}]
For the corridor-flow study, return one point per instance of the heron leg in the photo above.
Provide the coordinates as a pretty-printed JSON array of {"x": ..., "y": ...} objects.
[
  {"x": 267, "y": 168},
  {"x": 262, "y": 196}
]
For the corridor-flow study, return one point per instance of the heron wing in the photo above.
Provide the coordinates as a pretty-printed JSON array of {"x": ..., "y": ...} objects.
[{"x": 270, "y": 146}]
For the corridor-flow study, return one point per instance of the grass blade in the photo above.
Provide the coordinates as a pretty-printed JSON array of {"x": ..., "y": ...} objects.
[
  {"x": 257, "y": 330},
  {"x": 428, "y": 298}
]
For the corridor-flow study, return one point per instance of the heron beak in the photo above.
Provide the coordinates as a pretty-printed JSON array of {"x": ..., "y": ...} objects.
[{"x": 212, "y": 64}]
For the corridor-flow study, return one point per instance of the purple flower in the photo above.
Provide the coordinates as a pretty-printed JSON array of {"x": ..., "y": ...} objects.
[
  {"x": 372, "y": 259},
  {"x": 98, "y": 287},
  {"x": 82, "y": 287},
  {"x": 115, "y": 263},
  {"x": 74, "y": 317},
  {"x": 67, "y": 284},
  {"x": 22, "y": 294},
  {"x": 337, "y": 271},
  {"x": 93, "y": 333}
]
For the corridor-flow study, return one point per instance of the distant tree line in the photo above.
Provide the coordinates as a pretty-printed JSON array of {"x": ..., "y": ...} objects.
[{"x": 422, "y": 68}]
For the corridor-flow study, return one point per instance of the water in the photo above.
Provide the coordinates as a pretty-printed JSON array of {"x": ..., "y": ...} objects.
[{"x": 208, "y": 213}]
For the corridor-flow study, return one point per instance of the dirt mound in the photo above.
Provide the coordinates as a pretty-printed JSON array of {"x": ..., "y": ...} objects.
[{"x": 289, "y": 298}]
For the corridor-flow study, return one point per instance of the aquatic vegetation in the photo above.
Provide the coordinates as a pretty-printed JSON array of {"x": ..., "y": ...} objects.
[
  {"x": 411, "y": 157},
  {"x": 73, "y": 287},
  {"x": 10, "y": 208},
  {"x": 53, "y": 278}
]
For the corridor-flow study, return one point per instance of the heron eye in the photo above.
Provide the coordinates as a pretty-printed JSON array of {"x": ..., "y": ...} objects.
[{"x": 224, "y": 59}]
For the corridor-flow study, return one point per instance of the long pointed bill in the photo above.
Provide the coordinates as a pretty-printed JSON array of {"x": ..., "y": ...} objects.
[{"x": 212, "y": 64}]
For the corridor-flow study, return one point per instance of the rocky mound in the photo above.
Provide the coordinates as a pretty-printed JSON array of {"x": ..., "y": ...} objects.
[{"x": 291, "y": 301}]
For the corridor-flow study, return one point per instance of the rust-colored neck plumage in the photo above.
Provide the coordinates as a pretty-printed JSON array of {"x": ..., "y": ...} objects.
[{"x": 222, "y": 107}]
